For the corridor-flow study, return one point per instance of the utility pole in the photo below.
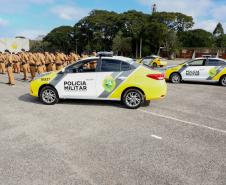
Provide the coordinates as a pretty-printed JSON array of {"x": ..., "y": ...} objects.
[
  {"x": 154, "y": 8},
  {"x": 76, "y": 45}
]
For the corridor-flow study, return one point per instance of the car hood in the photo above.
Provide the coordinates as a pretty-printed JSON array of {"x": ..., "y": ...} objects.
[
  {"x": 46, "y": 75},
  {"x": 168, "y": 67}
]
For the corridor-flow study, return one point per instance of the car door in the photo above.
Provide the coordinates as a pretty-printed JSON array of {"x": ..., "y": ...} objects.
[
  {"x": 194, "y": 70},
  {"x": 213, "y": 67},
  {"x": 111, "y": 74},
  {"x": 78, "y": 81}
]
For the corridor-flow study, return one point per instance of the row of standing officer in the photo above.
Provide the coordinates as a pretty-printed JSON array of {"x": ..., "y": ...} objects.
[{"x": 34, "y": 63}]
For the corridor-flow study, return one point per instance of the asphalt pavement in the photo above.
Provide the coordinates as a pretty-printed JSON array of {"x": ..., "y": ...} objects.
[{"x": 180, "y": 140}]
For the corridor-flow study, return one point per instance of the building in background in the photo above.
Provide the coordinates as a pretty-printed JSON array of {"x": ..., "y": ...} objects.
[{"x": 14, "y": 45}]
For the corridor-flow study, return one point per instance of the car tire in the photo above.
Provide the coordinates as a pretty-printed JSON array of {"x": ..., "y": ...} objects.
[
  {"x": 49, "y": 95},
  {"x": 223, "y": 81},
  {"x": 175, "y": 78},
  {"x": 155, "y": 65},
  {"x": 133, "y": 98}
]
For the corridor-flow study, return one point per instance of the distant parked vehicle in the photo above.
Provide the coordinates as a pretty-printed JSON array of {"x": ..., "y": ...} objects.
[
  {"x": 153, "y": 61},
  {"x": 203, "y": 69}
]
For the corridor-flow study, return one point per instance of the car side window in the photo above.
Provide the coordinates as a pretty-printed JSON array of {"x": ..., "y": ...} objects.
[
  {"x": 83, "y": 67},
  {"x": 212, "y": 62},
  {"x": 222, "y": 63},
  {"x": 110, "y": 65},
  {"x": 196, "y": 63}
]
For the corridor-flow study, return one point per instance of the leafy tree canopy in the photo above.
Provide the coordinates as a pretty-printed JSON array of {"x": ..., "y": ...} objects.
[
  {"x": 174, "y": 21},
  {"x": 218, "y": 31},
  {"x": 196, "y": 38}
]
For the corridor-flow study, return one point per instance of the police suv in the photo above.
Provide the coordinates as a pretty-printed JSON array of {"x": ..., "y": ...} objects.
[{"x": 200, "y": 69}]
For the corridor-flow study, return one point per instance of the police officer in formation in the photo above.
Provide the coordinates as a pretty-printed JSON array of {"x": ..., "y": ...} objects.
[{"x": 34, "y": 63}]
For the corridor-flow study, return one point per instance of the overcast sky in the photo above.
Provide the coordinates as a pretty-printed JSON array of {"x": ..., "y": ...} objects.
[{"x": 31, "y": 18}]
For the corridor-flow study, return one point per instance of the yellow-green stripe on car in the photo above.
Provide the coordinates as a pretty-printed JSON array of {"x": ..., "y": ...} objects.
[
  {"x": 169, "y": 71},
  {"x": 219, "y": 75},
  {"x": 151, "y": 88},
  {"x": 39, "y": 82}
]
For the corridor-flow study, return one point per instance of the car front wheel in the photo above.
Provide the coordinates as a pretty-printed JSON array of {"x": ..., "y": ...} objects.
[
  {"x": 133, "y": 98},
  {"x": 175, "y": 78},
  {"x": 49, "y": 95},
  {"x": 223, "y": 80}
]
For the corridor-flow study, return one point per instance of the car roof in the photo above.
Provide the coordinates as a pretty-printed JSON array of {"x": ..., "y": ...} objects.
[
  {"x": 124, "y": 59},
  {"x": 212, "y": 58}
]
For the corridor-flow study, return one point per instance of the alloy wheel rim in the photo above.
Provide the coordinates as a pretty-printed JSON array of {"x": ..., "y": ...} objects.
[
  {"x": 48, "y": 96},
  {"x": 176, "y": 78},
  {"x": 133, "y": 99},
  {"x": 224, "y": 81}
]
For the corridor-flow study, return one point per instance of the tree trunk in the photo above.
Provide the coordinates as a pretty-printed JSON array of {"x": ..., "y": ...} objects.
[
  {"x": 141, "y": 44},
  {"x": 136, "y": 49}
]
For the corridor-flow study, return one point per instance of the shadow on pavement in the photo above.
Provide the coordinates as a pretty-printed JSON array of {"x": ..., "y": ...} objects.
[
  {"x": 29, "y": 99},
  {"x": 3, "y": 83},
  {"x": 92, "y": 103},
  {"x": 198, "y": 83}
]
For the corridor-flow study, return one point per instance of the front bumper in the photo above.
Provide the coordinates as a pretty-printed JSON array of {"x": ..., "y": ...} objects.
[{"x": 34, "y": 89}]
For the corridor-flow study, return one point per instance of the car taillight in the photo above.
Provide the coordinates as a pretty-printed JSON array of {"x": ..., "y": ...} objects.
[{"x": 156, "y": 76}]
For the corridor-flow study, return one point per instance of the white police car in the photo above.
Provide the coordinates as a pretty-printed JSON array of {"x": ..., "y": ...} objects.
[{"x": 199, "y": 69}]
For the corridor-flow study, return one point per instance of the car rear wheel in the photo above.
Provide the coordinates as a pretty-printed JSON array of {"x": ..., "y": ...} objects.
[
  {"x": 49, "y": 95},
  {"x": 175, "y": 78},
  {"x": 223, "y": 80},
  {"x": 133, "y": 98}
]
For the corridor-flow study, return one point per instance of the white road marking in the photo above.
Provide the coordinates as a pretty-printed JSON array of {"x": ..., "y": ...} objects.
[
  {"x": 183, "y": 121},
  {"x": 156, "y": 137}
]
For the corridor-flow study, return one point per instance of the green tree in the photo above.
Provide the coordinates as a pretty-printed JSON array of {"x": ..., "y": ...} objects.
[
  {"x": 219, "y": 36},
  {"x": 155, "y": 36},
  {"x": 39, "y": 46},
  {"x": 174, "y": 21},
  {"x": 218, "y": 31},
  {"x": 133, "y": 24},
  {"x": 96, "y": 31},
  {"x": 60, "y": 39},
  {"x": 220, "y": 41},
  {"x": 122, "y": 45},
  {"x": 172, "y": 44},
  {"x": 196, "y": 38},
  {"x": 142, "y": 33}
]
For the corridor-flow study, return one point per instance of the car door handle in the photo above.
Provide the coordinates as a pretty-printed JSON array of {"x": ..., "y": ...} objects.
[
  {"x": 89, "y": 79},
  {"x": 122, "y": 78}
]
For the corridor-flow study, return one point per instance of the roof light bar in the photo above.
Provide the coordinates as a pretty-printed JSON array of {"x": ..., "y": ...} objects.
[{"x": 105, "y": 54}]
